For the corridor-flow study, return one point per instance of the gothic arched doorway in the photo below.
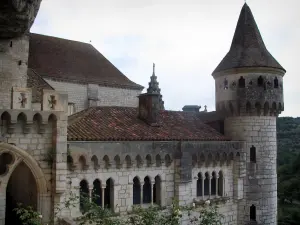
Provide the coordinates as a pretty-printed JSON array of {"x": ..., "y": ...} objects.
[{"x": 21, "y": 188}]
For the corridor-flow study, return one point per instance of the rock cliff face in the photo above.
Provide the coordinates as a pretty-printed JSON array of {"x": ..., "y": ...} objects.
[{"x": 17, "y": 16}]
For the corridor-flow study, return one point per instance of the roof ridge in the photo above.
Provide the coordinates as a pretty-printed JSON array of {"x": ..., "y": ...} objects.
[
  {"x": 79, "y": 115},
  {"x": 65, "y": 39}
]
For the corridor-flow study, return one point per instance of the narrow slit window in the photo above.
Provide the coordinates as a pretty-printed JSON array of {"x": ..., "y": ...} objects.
[
  {"x": 253, "y": 154},
  {"x": 241, "y": 82}
]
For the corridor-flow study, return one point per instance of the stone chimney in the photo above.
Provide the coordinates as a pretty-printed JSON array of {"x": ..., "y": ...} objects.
[{"x": 151, "y": 103}]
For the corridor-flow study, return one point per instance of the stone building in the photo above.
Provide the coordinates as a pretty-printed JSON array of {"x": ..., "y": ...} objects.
[{"x": 71, "y": 121}]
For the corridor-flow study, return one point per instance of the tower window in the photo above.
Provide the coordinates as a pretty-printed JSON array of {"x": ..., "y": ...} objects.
[
  {"x": 10, "y": 44},
  {"x": 241, "y": 82},
  {"x": 276, "y": 83},
  {"x": 260, "y": 81},
  {"x": 225, "y": 84},
  {"x": 252, "y": 213},
  {"x": 253, "y": 154}
]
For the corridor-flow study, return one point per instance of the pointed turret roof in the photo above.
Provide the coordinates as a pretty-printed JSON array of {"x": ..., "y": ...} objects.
[
  {"x": 154, "y": 88},
  {"x": 247, "y": 47}
]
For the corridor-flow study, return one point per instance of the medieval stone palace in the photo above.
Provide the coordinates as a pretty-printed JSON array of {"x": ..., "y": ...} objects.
[{"x": 71, "y": 121}]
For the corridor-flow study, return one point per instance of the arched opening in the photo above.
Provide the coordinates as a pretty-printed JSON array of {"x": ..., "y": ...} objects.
[
  {"x": 70, "y": 163},
  {"x": 248, "y": 108},
  {"x": 260, "y": 81},
  {"x": 253, "y": 154},
  {"x": 258, "y": 109},
  {"x": 21, "y": 188},
  {"x": 266, "y": 109},
  {"x": 147, "y": 190},
  {"x": 220, "y": 184},
  {"x": 94, "y": 159},
  {"x": 252, "y": 213},
  {"x": 117, "y": 161},
  {"x": 109, "y": 194},
  {"x": 128, "y": 161},
  {"x": 202, "y": 159},
  {"x": 276, "y": 83},
  {"x": 209, "y": 159},
  {"x": 21, "y": 120},
  {"x": 83, "y": 195},
  {"x": 241, "y": 82},
  {"x": 225, "y": 84},
  {"x": 157, "y": 191},
  {"x": 148, "y": 160},
  {"x": 136, "y": 191},
  {"x": 97, "y": 193},
  {"x": 213, "y": 184},
  {"x": 199, "y": 184},
  {"x": 139, "y": 161},
  {"x": 106, "y": 162},
  {"x": 82, "y": 163},
  {"x": 5, "y": 160},
  {"x": 168, "y": 160},
  {"x": 158, "y": 160},
  {"x": 206, "y": 184}
]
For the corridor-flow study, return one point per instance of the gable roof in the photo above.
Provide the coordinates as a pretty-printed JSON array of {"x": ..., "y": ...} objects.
[
  {"x": 37, "y": 84},
  {"x": 73, "y": 61},
  {"x": 247, "y": 47},
  {"x": 123, "y": 124}
]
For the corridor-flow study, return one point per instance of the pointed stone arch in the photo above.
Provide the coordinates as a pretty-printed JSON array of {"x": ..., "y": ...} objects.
[{"x": 42, "y": 189}]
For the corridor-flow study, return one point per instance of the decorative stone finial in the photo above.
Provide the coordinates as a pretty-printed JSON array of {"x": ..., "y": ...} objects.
[
  {"x": 205, "y": 108},
  {"x": 17, "y": 16}
]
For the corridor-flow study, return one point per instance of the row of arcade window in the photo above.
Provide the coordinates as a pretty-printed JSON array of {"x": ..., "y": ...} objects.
[
  {"x": 145, "y": 193},
  {"x": 260, "y": 83},
  {"x": 210, "y": 185}
]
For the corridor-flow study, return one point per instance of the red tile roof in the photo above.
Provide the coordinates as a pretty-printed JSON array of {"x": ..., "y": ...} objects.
[
  {"x": 122, "y": 123},
  {"x": 73, "y": 61}
]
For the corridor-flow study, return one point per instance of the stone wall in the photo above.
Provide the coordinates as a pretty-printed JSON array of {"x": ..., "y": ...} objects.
[
  {"x": 13, "y": 67},
  {"x": 260, "y": 183},
  {"x": 107, "y": 96},
  {"x": 123, "y": 161}
]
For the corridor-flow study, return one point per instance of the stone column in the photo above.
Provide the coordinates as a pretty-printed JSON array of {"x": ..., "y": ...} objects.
[
  {"x": 102, "y": 195},
  {"x": 90, "y": 194},
  {"x": 142, "y": 186},
  {"x": 152, "y": 183},
  {"x": 217, "y": 184},
  {"x": 162, "y": 193},
  {"x": 209, "y": 186},
  {"x": 202, "y": 184}
]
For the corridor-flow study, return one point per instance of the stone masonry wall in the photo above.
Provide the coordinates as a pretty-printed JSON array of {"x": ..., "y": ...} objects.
[
  {"x": 107, "y": 96},
  {"x": 13, "y": 67},
  {"x": 260, "y": 183}
]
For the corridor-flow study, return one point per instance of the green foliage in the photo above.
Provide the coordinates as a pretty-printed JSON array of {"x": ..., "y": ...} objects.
[
  {"x": 288, "y": 136},
  {"x": 28, "y": 215}
]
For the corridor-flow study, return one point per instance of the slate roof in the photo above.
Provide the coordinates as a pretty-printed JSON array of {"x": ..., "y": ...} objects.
[
  {"x": 247, "y": 47},
  {"x": 72, "y": 61},
  {"x": 37, "y": 84},
  {"x": 122, "y": 124}
]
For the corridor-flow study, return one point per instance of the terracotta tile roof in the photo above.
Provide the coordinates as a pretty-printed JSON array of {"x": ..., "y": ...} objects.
[
  {"x": 247, "y": 47},
  {"x": 37, "y": 84},
  {"x": 72, "y": 61},
  {"x": 122, "y": 123}
]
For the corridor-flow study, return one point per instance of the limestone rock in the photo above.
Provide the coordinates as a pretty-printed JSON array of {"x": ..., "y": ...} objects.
[{"x": 17, "y": 16}]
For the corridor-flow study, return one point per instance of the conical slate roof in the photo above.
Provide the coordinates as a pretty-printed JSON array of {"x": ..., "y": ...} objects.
[{"x": 247, "y": 47}]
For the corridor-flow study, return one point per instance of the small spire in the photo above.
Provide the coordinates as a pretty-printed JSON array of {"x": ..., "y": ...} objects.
[
  {"x": 205, "y": 108},
  {"x": 153, "y": 73}
]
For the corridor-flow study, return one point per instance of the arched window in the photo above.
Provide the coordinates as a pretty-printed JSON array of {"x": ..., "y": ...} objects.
[
  {"x": 148, "y": 160},
  {"x": 276, "y": 83},
  {"x": 241, "y": 82},
  {"x": 158, "y": 160},
  {"x": 106, "y": 162},
  {"x": 199, "y": 184},
  {"x": 225, "y": 84},
  {"x": 82, "y": 163},
  {"x": 128, "y": 161},
  {"x": 70, "y": 162},
  {"x": 109, "y": 194},
  {"x": 147, "y": 190},
  {"x": 139, "y": 161},
  {"x": 95, "y": 162},
  {"x": 260, "y": 81},
  {"x": 266, "y": 109},
  {"x": 117, "y": 161},
  {"x": 157, "y": 191},
  {"x": 206, "y": 184},
  {"x": 83, "y": 195},
  {"x": 97, "y": 193},
  {"x": 194, "y": 160},
  {"x": 168, "y": 160},
  {"x": 248, "y": 107},
  {"x": 213, "y": 184},
  {"x": 220, "y": 184},
  {"x": 252, "y": 213},
  {"x": 136, "y": 191},
  {"x": 253, "y": 154}
]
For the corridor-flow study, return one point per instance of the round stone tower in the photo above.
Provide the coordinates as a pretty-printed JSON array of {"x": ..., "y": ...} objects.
[
  {"x": 16, "y": 19},
  {"x": 249, "y": 91}
]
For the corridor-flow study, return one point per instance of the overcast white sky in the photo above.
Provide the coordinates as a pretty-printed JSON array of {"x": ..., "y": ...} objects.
[{"x": 185, "y": 38}]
